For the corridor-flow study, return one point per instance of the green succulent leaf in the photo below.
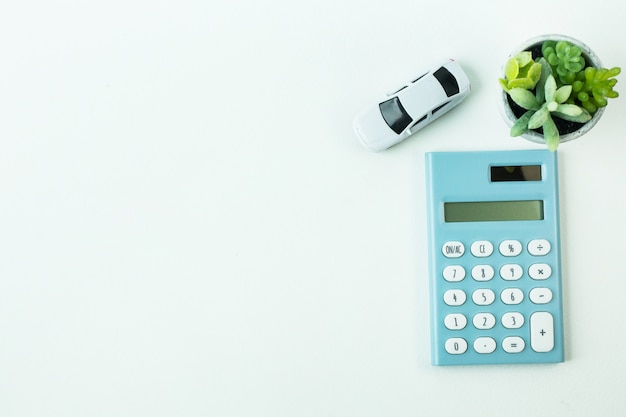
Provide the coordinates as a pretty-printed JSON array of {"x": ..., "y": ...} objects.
[
  {"x": 511, "y": 69},
  {"x": 590, "y": 106},
  {"x": 550, "y": 88},
  {"x": 571, "y": 110},
  {"x": 577, "y": 86},
  {"x": 524, "y": 58},
  {"x": 521, "y": 125},
  {"x": 613, "y": 72},
  {"x": 534, "y": 72},
  {"x": 551, "y": 134},
  {"x": 572, "y": 113},
  {"x": 525, "y": 83},
  {"x": 524, "y": 98},
  {"x": 600, "y": 99},
  {"x": 547, "y": 48},
  {"x": 539, "y": 118},
  {"x": 546, "y": 71},
  {"x": 563, "y": 93}
]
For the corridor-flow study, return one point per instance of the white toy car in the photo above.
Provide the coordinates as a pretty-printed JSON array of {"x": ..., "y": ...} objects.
[{"x": 413, "y": 106}]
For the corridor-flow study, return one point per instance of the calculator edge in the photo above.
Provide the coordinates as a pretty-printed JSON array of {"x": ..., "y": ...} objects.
[{"x": 433, "y": 210}]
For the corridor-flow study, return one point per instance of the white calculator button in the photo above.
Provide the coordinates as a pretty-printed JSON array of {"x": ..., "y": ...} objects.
[
  {"x": 512, "y": 320},
  {"x": 513, "y": 344},
  {"x": 484, "y": 321},
  {"x": 510, "y": 247},
  {"x": 540, "y": 295},
  {"x": 482, "y": 272},
  {"x": 455, "y": 321},
  {"x": 454, "y": 297},
  {"x": 453, "y": 249},
  {"x": 454, "y": 273},
  {"x": 484, "y": 345},
  {"x": 482, "y": 248},
  {"x": 483, "y": 297},
  {"x": 542, "y": 332},
  {"x": 511, "y": 296},
  {"x": 540, "y": 271},
  {"x": 456, "y": 345},
  {"x": 511, "y": 272},
  {"x": 539, "y": 247}
]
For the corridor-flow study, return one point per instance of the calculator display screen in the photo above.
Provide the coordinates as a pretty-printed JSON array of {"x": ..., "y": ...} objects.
[
  {"x": 516, "y": 173},
  {"x": 490, "y": 211}
]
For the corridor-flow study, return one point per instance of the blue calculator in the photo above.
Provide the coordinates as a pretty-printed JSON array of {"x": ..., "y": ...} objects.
[{"x": 495, "y": 266}]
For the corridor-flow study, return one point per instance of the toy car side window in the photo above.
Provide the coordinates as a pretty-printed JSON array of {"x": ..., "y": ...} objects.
[
  {"x": 418, "y": 78},
  {"x": 436, "y": 109},
  {"x": 447, "y": 81},
  {"x": 397, "y": 91},
  {"x": 394, "y": 114},
  {"x": 416, "y": 126}
]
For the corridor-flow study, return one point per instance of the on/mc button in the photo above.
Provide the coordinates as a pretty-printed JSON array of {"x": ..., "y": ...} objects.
[
  {"x": 453, "y": 249},
  {"x": 542, "y": 332}
]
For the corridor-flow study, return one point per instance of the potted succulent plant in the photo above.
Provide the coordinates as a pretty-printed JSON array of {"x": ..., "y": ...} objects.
[{"x": 554, "y": 89}]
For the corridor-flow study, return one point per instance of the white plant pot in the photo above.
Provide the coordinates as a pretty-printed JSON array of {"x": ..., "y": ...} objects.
[{"x": 507, "y": 113}]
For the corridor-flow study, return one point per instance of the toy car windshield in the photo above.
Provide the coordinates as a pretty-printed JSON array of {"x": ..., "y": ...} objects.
[
  {"x": 394, "y": 114},
  {"x": 447, "y": 81}
]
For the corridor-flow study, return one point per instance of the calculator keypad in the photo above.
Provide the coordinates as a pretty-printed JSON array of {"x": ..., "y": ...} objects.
[{"x": 498, "y": 304}]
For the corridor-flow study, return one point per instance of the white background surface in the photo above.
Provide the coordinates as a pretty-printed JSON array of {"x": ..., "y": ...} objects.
[{"x": 189, "y": 228}]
